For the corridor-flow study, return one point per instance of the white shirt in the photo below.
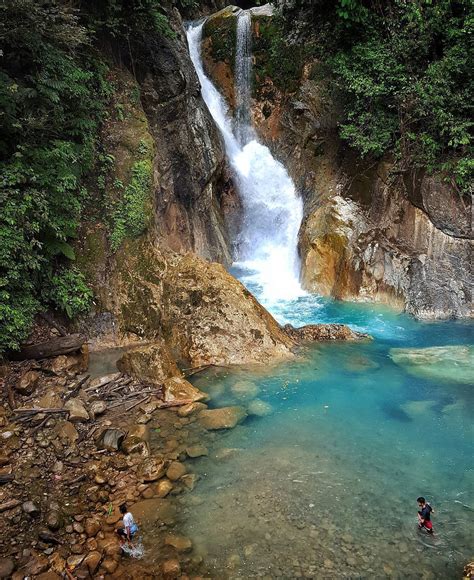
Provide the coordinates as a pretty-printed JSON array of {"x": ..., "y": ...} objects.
[{"x": 128, "y": 520}]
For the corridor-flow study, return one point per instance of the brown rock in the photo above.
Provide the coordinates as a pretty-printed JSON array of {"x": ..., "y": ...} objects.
[
  {"x": 7, "y": 566},
  {"x": 224, "y": 418},
  {"x": 36, "y": 565},
  {"x": 75, "y": 560},
  {"x": 92, "y": 561},
  {"x": 171, "y": 569},
  {"x": 179, "y": 543},
  {"x": 179, "y": 389},
  {"x": 163, "y": 487},
  {"x": 28, "y": 383},
  {"x": 137, "y": 441},
  {"x": 91, "y": 527},
  {"x": 323, "y": 332},
  {"x": 97, "y": 408},
  {"x": 53, "y": 521},
  {"x": 175, "y": 470},
  {"x": 77, "y": 527},
  {"x": 187, "y": 410},
  {"x": 109, "y": 565},
  {"x": 152, "y": 469},
  {"x": 30, "y": 508},
  {"x": 99, "y": 382},
  {"x": 152, "y": 363},
  {"x": 77, "y": 411},
  {"x": 49, "y": 575},
  {"x": 148, "y": 493},
  {"x": 66, "y": 432}
]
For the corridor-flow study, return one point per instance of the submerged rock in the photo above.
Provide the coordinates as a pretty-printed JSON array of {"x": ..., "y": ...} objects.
[
  {"x": 440, "y": 363},
  {"x": 225, "y": 418},
  {"x": 179, "y": 543},
  {"x": 244, "y": 390},
  {"x": 259, "y": 408}
]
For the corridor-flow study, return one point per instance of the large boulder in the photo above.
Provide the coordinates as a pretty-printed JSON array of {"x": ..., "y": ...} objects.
[
  {"x": 152, "y": 363},
  {"x": 224, "y": 418}
]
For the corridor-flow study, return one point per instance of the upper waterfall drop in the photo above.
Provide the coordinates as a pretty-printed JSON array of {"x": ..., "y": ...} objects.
[{"x": 267, "y": 246}]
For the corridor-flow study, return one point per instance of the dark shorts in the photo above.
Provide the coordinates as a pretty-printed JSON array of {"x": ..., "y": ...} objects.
[{"x": 122, "y": 532}]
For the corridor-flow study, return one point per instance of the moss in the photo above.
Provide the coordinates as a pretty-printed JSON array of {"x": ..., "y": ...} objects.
[
  {"x": 131, "y": 215},
  {"x": 274, "y": 58},
  {"x": 222, "y": 31}
]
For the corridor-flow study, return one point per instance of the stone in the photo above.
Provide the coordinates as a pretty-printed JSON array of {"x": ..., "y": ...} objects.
[
  {"x": 110, "y": 439},
  {"x": 75, "y": 561},
  {"x": 323, "y": 332},
  {"x": 224, "y": 418},
  {"x": 7, "y": 566},
  {"x": 244, "y": 390},
  {"x": 49, "y": 575},
  {"x": 109, "y": 565},
  {"x": 77, "y": 410},
  {"x": 48, "y": 537},
  {"x": 197, "y": 451},
  {"x": 91, "y": 527},
  {"x": 175, "y": 470},
  {"x": 452, "y": 364},
  {"x": 92, "y": 561},
  {"x": 30, "y": 508},
  {"x": 191, "y": 409},
  {"x": 28, "y": 383},
  {"x": 171, "y": 569},
  {"x": 77, "y": 527},
  {"x": 179, "y": 389},
  {"x": 259, "y": 408},
  {"x": 152, "y": 469},
  {"x": 36, "y": 565},
  {"x": 151, "y": 364},
  {"x": 99, "y": 382},
  {"x": 53, "y": 521},
  {"x": 189, "y": 480},
  {"x": 163, "y": 487},
  {"x": 179, "y": 543},
  {"x": 144, "y": 419},
  {"x": 66, "y": 432},
  {"x": 148, "y": 493},
  {"x": 97, "y": 408},
  {"x": 51, "y": 400},
  {"x": 137, "y": 441}
]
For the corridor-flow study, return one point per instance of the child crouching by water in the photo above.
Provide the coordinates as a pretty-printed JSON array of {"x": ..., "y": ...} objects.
[{"x": 129, "y": 529}]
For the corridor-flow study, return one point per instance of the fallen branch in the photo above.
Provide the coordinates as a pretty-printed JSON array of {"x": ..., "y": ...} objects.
[
  {"x": 138, "y": 403},
  {"x": 35, "y": 410},
  {"x": 6, "y": 478},
  {"x": 167, "y": 404},
  {"x": 49, "y": 348}
]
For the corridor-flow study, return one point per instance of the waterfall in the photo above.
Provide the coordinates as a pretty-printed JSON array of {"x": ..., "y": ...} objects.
[
  {"x": 272, "y": 211},
  {"x": 243, "y": 78}
]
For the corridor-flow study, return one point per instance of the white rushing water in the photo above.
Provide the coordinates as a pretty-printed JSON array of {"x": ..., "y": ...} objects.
[{"x": 272, "y": 210}]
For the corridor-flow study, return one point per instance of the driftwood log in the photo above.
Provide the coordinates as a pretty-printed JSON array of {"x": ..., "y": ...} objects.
[{"x": 49, "y": 348}]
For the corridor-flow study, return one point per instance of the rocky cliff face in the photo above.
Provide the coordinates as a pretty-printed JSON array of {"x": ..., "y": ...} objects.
[
  {"x": 370, "y": 232},
  {"x": 150, "y": 282}
]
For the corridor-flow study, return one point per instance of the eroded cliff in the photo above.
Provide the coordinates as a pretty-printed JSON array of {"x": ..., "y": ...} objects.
[{"x": 373, "y": 229}]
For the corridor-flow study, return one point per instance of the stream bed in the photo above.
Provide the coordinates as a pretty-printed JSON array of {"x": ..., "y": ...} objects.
[{"x": 322, "y": 481}]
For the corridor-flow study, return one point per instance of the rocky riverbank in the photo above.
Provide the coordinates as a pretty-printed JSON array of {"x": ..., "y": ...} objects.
[{"x": 74, "y": 447}]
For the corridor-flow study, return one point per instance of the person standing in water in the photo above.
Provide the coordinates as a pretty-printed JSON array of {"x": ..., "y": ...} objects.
[
  {"x": 129, "y": 527},
  {"x": 424, "y": 515}
]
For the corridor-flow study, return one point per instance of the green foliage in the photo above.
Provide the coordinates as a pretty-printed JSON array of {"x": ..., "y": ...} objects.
[
  {"x": 69, "y": 292},
  {"x": 223, "y": 34},
  {"x": 55, "y": 93},
  {"x": 274, "y": 57},
  {"x": 404, "y": 75},
  {"x": 130, "y": 215}
]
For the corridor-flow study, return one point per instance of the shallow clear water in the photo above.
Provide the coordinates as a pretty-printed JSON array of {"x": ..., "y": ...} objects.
[{"x": 326, "y": 484}]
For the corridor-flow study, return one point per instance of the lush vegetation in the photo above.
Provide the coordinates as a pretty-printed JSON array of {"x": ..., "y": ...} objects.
[
  {"x": 55, "y": 90},
  {"x": 403, "y": 71}
]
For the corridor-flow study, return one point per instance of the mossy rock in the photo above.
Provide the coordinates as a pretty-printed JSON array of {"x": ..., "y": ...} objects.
[{"x": 221, "y": 30}]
